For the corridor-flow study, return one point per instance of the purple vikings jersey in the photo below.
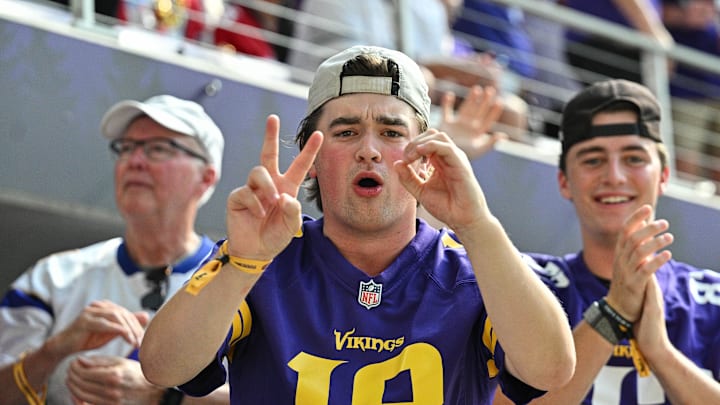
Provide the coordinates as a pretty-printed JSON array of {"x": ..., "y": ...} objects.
[
  {"x": 692, "y": 313},
  {"x": 316, "y": 330}
]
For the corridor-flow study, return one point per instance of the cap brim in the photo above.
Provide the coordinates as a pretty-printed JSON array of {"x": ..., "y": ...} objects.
[{"x": 118, "y": 118}]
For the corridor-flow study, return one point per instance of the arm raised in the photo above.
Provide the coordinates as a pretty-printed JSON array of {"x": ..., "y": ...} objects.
[
  {"x": 262, "y": 217},
  {"x": 526, "y": 317}
]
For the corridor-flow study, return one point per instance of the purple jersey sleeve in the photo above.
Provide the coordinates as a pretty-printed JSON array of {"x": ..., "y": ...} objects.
[{"x": 692, "y": 316}]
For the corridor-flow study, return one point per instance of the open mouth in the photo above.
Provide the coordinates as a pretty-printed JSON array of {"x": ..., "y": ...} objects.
[{"x": 367, "y": 182}]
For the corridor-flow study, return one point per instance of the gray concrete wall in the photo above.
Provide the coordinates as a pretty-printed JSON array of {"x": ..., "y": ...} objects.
[{"x": 56, "y": 187}]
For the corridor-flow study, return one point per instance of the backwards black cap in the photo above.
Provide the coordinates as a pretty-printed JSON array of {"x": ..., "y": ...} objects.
[{"x": 579, "y": 111}]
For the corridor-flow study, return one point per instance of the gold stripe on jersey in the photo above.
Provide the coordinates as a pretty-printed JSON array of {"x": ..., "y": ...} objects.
[
  {"x": 490, "y": 341},
  {"x": 451, "y": 243},
  {"x": 241, "y": 327}
]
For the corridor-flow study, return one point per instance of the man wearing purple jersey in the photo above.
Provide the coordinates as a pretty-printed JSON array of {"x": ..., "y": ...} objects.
[
  {"x": 368, "y": 304},
  {"x": 646, "y": 327}
]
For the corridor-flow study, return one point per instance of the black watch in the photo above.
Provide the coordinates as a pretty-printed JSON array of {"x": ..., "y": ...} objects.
[
  {"x": 172, "y": 396},
  {"x": 602, "y": 324}
]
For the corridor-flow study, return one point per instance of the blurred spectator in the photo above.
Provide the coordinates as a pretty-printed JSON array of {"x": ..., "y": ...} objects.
[
  {"x": 326, "y": 26},
  {"x": 71, "y": 325},
  {"x": 191, "y": 19},
  {"x": 245, "y": 29},
  {"x": 695, "y": 92},
  {"x": 332, "y": 25},
  {"x": 521, "y": 41},
  {"x": 240, "y": 30},
  {"x": 490, "y": 27},
  {"x": 555, "y": 80},
  {"x": 107, "y": 8},
  {"x": 596, "y": 57},
  {"x": 459, "y": 74}
]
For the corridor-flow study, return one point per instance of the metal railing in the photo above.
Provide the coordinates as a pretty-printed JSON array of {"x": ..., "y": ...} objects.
[
  {"x": 654, "y": 66},
  {"x": 655, "y": 62}
]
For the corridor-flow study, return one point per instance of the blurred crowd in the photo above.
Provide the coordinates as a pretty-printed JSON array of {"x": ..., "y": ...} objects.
[{"x": 534, "y": 63}]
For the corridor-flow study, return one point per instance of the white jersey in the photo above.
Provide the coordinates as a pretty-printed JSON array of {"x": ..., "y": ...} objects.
[{"x": 49, "y": 296}]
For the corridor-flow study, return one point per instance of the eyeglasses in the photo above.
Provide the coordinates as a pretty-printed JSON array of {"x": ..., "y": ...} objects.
[
  {"x": 157, "y": 278},
  {"x": 155, "y": 149}
]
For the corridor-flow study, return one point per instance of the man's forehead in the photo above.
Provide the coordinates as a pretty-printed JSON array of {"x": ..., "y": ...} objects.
[
  {"x": 145, "y": 127},
  {"x": 613, "y": 130},
  {"x": 367, "y": 106},
  {"x": 363, "y": 99},
  {"x": 612, "y": 143}
]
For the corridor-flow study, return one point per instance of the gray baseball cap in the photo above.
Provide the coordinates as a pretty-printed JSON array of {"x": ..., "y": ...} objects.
[{"x": 330, "y": 82}]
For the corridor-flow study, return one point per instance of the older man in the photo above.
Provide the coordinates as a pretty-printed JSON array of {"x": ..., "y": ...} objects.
[{"x": 70, "y": 326}]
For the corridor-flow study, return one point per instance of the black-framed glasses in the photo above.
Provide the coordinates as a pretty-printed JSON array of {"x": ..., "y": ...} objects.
[
  {"x": 157, "y": 279},
  {"x": 155, "y": 149}
]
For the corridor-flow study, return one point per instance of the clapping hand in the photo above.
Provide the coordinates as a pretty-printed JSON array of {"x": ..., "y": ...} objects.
[
  {"x": 638, "y": 254},
  {"x": 470, "y": 126}
]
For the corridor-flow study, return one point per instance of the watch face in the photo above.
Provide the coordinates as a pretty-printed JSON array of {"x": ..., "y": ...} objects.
[
  {"x": 172, "y": 397},
  {"x": 595, "y": 318},
  {"x": 592, "y": 314}
]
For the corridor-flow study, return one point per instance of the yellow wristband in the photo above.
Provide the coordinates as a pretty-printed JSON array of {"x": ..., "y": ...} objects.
[
  {"x": 641, "y": 365},
  {"x": 203, "y": 276},
  {"x": 24, "y": 386},
  {"x": 248, "y": 266}
]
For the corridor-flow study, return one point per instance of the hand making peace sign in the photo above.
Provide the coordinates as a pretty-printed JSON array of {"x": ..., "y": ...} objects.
[{"x": 264, "y": 214}]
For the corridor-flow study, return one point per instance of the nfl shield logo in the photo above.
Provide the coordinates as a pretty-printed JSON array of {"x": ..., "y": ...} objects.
[{"x": 369, "y": 294}]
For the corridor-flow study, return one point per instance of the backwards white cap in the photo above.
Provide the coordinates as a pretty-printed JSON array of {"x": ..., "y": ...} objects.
[{"x": 329, "y": 81}]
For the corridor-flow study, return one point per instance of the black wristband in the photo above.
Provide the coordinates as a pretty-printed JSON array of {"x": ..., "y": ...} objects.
[
  {"x": 172, "y": 396},
  {"x": 621, "y": 326}
]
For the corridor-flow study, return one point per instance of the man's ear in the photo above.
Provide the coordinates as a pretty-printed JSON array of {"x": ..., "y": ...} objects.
[
  {"x": 209, "y": 178},
  {"x": 563, "y": 185},
  {"x": 312, "y": 173},
  {"x": 664, "y": 180}
]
